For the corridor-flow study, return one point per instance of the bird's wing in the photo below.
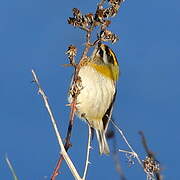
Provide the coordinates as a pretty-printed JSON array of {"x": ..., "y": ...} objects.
[{"x": 107, "y": 116}]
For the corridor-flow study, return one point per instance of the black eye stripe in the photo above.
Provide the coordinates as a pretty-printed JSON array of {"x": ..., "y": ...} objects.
[
  {"x": 101, "y": 52},
  {"x": 109, "y": 54}
]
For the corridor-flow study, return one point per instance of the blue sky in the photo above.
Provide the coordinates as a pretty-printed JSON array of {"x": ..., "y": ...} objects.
[{"x": 34, "y": 34}]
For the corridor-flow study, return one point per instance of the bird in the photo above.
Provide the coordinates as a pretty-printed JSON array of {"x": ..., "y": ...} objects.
[{"x": 96, "y": 98}]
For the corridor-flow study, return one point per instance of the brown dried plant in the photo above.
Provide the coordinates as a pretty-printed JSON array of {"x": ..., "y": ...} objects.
[
  {"x": 150, "y": 163},
  {"x": 87, "y": 22}
]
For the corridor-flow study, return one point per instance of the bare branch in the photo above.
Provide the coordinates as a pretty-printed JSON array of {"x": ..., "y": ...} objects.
[
  {"x": 11, "y": 168},
  {"x": 63, "y": 151},
  {"x": 118, "y": 166},
  {"x": 126, "y": 141},
  {"x": 144, "y": 143},
  {"x": 88, "y": 152},
  {"x": 111, "y": 134}
]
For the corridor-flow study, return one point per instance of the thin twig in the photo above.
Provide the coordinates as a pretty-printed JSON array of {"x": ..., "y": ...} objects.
[
  {"x": 111, "y": 134},
  {"x": 67, "y": 144},
  {"x": 56, "y": 169},
  {"x": 87, "y": 46},
  {"x": 118, "y": 166},
  {"x": 11, "y": 168},
  {"x": 63, "y": 151},
  {"x": 88, "y": 152},
  {"x": 128, "y": 152},
  {"x": 126, "y": 141},
  {"x": 144, "y": 143},
  {"x": 71, "y": 122}
]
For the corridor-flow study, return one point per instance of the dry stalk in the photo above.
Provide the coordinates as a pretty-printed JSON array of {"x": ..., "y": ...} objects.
[
  {"x": 63, "y": 151},
  {"x": 11, "y": 168},
  {"x": 88, "y": 152},
  {"x": 132, "y": 152},
  {"x": 150, "y": 165}
]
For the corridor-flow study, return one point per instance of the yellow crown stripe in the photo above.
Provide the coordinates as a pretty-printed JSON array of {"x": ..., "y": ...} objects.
[{"x": 110, "y": 71}]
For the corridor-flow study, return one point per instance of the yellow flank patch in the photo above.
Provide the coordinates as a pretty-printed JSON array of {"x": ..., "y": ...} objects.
[{"x": 110, "y": 71}]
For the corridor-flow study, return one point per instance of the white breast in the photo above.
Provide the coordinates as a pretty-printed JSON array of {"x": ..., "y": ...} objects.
[{"x": 96, "y": 94}]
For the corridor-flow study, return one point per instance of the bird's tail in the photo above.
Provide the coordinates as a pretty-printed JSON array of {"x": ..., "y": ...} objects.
[{"x": 103, "y": 145}]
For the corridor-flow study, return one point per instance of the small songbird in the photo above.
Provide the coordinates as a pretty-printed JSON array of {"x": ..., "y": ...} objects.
[{"x": 96, "y": 98}]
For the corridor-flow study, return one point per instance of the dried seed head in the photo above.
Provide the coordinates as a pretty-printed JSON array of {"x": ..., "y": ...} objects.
[
  {"x": 105, "y": 24},
  {"x": 111, "y": 11},
  {"x": 106, "y": 35},
  {"x": 151, "y": 166},
  {"x": 83, "y": 22},
  {"x": 114, "y": 38},
  {"x": 72, "y": 50},
  {"x": 99, "y": 15},
  {"x": 103, "y": 13},
  {"x": 115, "y": 2},
  {"x": 80, "y": 20},
  {"x": 90, "y": 18},
  {"x": 76, "y": 13},
  {"x": 73, "y": 21}
]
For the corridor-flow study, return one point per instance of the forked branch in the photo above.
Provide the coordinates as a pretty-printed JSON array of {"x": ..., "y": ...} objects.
[{"x": 150, "y": 165}]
